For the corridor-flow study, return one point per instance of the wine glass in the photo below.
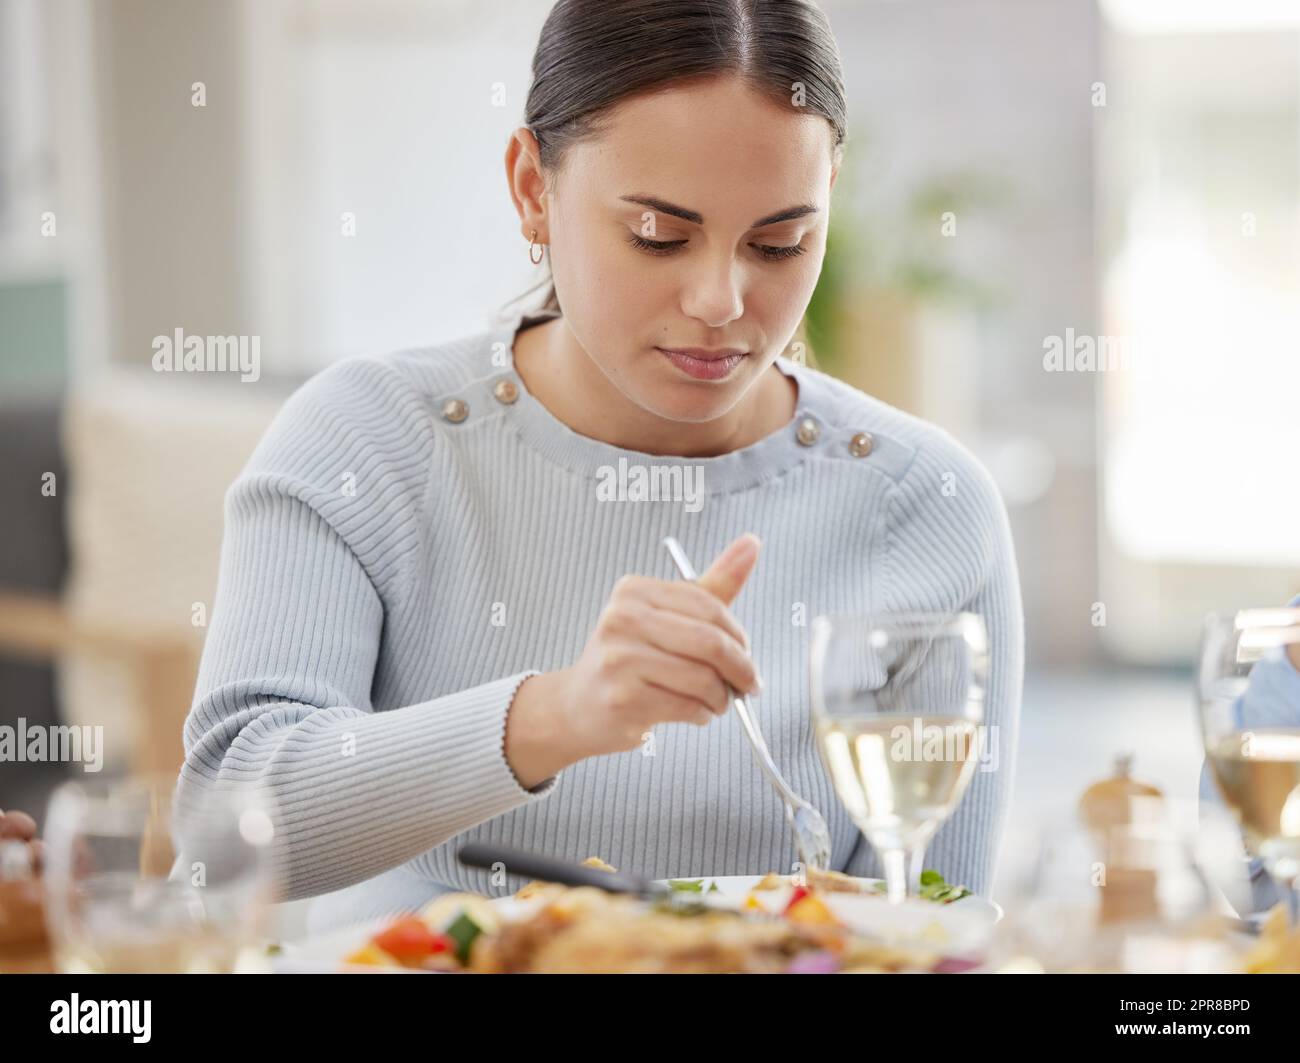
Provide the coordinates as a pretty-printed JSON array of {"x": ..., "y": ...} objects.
[
  {"x": 139, "y": 880},
  {"x": 897, "y": 704},
  {"x": 1248, "y": 698}
]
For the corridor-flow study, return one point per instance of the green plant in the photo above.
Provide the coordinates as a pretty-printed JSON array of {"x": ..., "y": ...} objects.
[{"x": 875, "y": 243}]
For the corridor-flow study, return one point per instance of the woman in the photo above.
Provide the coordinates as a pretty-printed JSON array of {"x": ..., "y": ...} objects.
[{"x": 444, "y": 611}]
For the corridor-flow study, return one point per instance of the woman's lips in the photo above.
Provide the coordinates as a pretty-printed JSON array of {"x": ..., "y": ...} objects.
[{"x": 702, "y": 364}]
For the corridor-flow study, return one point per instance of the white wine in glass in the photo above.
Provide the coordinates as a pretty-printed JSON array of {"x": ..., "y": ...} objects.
[
  {"x": 1249, "y": 722},
  {"x": 897, "y": 703}
]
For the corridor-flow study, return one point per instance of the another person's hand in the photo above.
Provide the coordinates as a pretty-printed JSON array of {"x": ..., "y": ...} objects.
[
  {"x": 19, "y": 826},
  {"x": 663, "y": 651}
]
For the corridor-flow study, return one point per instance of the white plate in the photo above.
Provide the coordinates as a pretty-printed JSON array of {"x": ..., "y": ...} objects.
[{"x": 959, "y": 927}]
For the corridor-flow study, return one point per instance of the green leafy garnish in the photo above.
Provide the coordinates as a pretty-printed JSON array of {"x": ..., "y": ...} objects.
[
  {"x": 688, "y": 885},
  {"x": 692, "y": 885},
  {"x": 463, "y": 931},
  {"x": 933, "y": 888}
]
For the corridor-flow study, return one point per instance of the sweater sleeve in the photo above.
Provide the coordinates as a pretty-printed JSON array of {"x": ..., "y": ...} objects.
[
  {"x": 319, "y": 528},
  {"x": 947, "y": 548}
]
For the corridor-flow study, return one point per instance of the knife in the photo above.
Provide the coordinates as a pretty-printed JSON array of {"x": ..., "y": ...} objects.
[{"x": 548, "y": 869}]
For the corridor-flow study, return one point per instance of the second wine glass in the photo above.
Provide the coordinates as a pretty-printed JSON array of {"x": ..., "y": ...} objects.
[{"x": 1248, "y": 696}]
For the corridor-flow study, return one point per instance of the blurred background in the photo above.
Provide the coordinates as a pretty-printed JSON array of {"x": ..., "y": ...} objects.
[{"x": 1027, "y": 181}]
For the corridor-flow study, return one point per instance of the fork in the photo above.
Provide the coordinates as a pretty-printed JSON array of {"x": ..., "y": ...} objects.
[{"x": 812, "y": 839}]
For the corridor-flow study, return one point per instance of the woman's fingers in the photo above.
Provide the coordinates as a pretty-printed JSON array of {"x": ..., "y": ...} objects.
[
  {"x": 683, "y": 676},
  {"x": 685, "y": 636},
  {"x": 726, "y": 576},
  {"x": 662, "y": 651},
  {"x": 17, "y": 825},
  {"x": 692, "y": 600},
  {"x": 672, "y": 707}
]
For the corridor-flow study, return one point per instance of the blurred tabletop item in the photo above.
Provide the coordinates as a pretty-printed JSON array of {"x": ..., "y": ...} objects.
[{"x": 24, "y": 944}]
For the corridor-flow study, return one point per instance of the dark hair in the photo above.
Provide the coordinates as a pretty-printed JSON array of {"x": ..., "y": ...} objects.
[{"x": 593, "y": 54}]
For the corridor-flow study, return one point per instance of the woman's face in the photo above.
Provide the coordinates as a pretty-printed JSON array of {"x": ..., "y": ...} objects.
[{"x": 697, "y": 220}]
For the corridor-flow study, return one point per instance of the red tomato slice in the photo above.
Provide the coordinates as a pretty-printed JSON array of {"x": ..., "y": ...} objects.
[{"x": 411, "y": 939}]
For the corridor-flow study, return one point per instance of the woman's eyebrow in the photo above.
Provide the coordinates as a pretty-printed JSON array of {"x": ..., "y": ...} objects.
[{"x": 697, "y": 218}]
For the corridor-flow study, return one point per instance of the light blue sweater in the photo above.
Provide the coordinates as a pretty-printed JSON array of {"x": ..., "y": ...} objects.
[{"x": 391, "y": 574}]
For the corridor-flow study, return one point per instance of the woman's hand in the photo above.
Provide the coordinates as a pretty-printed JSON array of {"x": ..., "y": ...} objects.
[
  {"x": 19, "y": 826},
  {"x": 663, "y": 651}
]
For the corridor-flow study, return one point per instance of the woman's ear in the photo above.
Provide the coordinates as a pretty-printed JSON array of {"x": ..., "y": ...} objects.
[{"x": 527, "y": 183}]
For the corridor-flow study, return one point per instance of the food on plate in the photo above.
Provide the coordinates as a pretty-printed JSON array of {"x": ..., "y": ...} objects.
[
  {"x": 692, "y": 885},
  {"x": 438, "y": 938},
  {"x": 551, "y": 928},
  {"x": 932, "y": 885},
  {"x": 588, "y": 930}
]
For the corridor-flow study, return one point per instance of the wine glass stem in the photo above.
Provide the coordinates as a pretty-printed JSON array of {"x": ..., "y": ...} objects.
[
  {"x": 898, "y": 874},
  {"x": 914, "y": 863}
]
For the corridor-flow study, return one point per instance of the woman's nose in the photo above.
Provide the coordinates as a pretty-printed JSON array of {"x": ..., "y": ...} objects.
[{"x": 714, "y": 294}]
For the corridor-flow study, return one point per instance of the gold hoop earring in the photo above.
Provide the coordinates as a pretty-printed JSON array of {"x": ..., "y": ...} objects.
[{"x": 541, "y": 250}]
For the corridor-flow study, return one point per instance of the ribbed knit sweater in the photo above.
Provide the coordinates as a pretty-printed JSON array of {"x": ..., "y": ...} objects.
[{"x": 391, "y": 571}]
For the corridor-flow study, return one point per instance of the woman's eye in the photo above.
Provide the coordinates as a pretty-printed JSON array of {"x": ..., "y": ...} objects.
[
  {"x": 655, "y": 247},
  {"x": 667, "y": 247},
  {"x": 779, "y": 252}
]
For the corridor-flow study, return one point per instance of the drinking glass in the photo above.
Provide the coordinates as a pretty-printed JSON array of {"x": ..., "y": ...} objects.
[
  {"x": 897, "y": 704},
  {"x": 1248, "y": 701},
  {"x": 139, "y": 880}
]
